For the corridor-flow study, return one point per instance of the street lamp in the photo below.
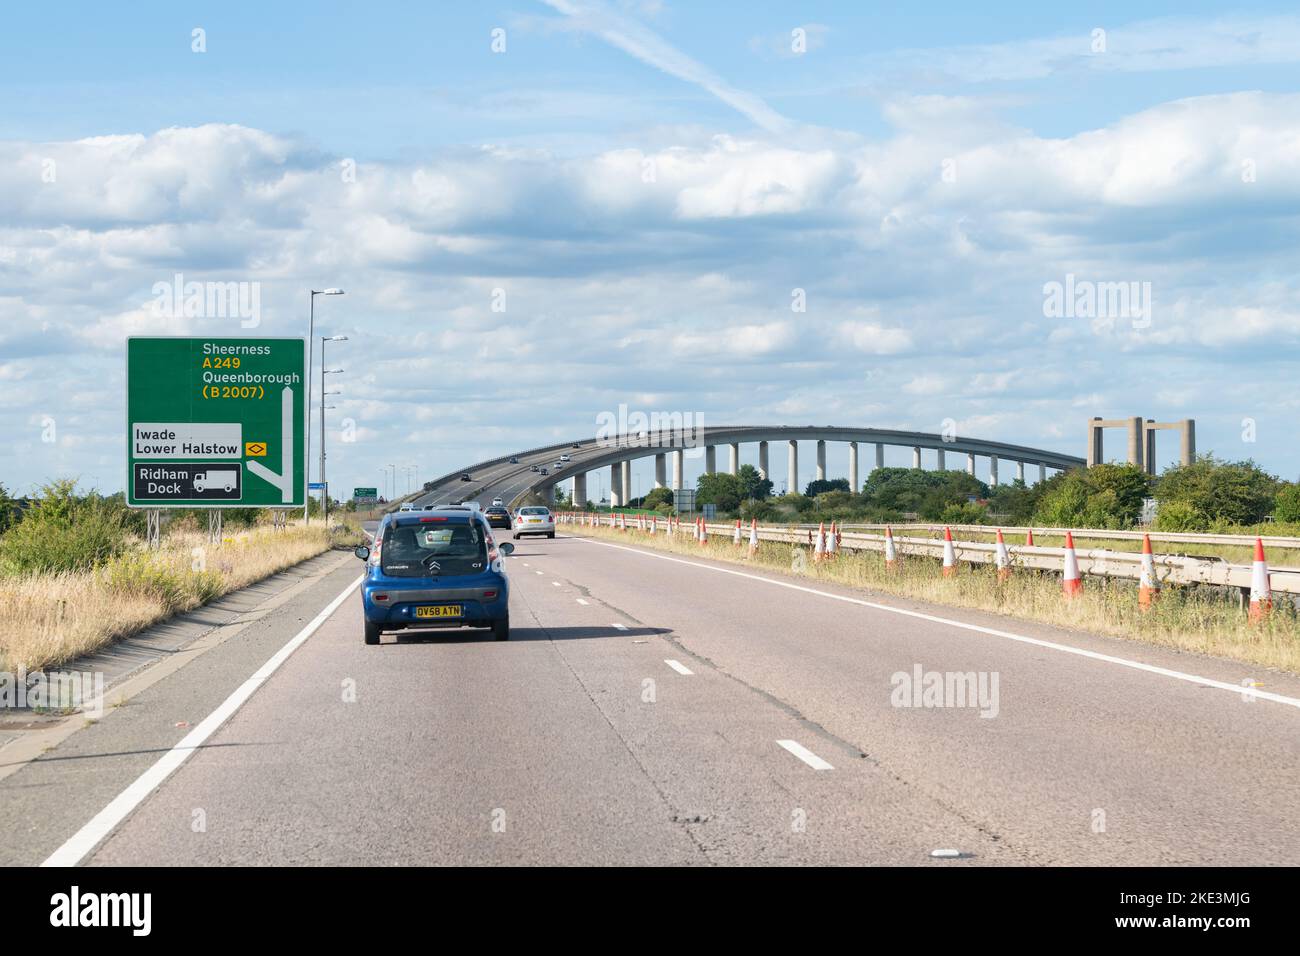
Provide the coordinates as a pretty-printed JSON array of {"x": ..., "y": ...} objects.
[
  {"x": 392, "y": 492},
  {"x": 311, "y": 338},
  {"x": 384, "y": 469},
  {"x": 325, "y": 490}
]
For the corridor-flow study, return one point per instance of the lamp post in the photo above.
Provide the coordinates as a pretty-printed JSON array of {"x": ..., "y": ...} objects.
[
  {"x": 311, "y": 338},
  {"x": 384, "y": 469},
  {"x": 325, "y": 490},
  {"x": 392, "y": 491}
]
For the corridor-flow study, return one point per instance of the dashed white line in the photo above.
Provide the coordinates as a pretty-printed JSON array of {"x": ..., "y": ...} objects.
[
  {"x": 537, "y": 572},
  {"x": 977, "y": 628},
  {"x": 804, "y": 754},
  {"x": 556, "y": 583},
  {"x": 581, "y": 601},
  {"x": 679, "y": 667}
]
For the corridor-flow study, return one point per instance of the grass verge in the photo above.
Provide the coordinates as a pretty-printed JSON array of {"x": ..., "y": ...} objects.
[
  {"x": 51, "y": 618},
  {"x": 1199, "y": 620}
]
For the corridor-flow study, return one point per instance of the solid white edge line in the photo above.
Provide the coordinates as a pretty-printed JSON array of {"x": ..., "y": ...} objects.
[
  {"x": 804, "y": 754},
  {"x": 994, "y": 632},
  {"x": 679, "y": 667},
  {"x": 581, "y": 601},
  {"x": 102, "y": 824}
]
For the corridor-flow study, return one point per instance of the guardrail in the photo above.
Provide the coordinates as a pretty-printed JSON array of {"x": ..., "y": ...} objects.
[
  {"x": 1093, "y": 562},
  {"x": 1168, "y": 537}
]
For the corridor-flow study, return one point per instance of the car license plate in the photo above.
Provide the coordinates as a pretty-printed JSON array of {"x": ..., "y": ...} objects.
[{"x": 438, "y": 610}]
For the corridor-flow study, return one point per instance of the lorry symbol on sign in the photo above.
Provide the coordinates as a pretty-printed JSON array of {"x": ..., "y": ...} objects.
[{"x": 215, "y": 478}]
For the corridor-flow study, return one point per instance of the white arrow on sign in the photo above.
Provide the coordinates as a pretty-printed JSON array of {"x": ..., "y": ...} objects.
[{"x": 282, "y": 481}]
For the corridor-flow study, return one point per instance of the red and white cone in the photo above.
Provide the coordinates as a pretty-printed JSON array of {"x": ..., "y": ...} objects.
[
  {"x": 1148, "y": 589},
  {"x": 622, "y": 521},
  {"x": 735, "y": 538},
  {"x": 819, "y": 549},
  {"x": 949, "y": 554},
  {"x": 1071, "y": 582},
  {"x": 1003, "y": 558},
  {"x": 832, "y": 542},
  {"x": 654, "y": 524},
  {"x": 891, "y": 555},
  {"x": 1029, "y": 538},
  {"x": 1261, "y": 592},
  {"x": 704, "y": 532},
  {"x": 753, "y": 535}
]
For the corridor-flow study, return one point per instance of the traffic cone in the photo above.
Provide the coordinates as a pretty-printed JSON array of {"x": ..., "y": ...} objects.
[
  {"x": 1148, "y": 589},
  {"x": 654, "y": 523},
  {"x": 819, "y": 551},
  {"x": 949, "y": 555},
  {"x": 1261, "y": 593},
  {"x": 735, "y": 539},
  {"x": 704, "y": 532},
  {"x": 753, "y": 535},
  {"x": 1003, "y": 559},
  {"x": 832, "y": 542},
  {"x": 891, "y": 555},
  {"x": 1029, "y": 538},
  {"x": 1071, "y": 582},
  {"x": 622, "y": 522}
]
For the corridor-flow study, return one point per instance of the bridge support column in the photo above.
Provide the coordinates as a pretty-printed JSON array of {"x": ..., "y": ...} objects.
[
  {"x": 711, "y": 458},
  {"x": 1149, "y": 452},
  {"x": 615, "y": 485},
  {"x": 880, "y": 455},
  {"x": 549, "y": 494},
  {"x": 792, "y": 467},
  {"x": 625, "y": 476},
  {"x": 677, "y": 472},
  {"x": 821, "y": 459},
  {"x": 1188, "y": 451},
  {"x": 970, "y": 463},
  {"x": 853, "y": 466},
  {"x": 942, "y": 465},
  {"x": 1020, "y": 472},
  {"x": 580, "y": 491},
  {"x": 661, "y": 470},
  {"x": 1042, "y": 472},
  {"x": 993, "y": 470},
  {"x": 762, "y": 459},
  {"x": 1136, "y": 426},
  {"x": 733, "y": 463},
  {"x": 916, "y": 456}
]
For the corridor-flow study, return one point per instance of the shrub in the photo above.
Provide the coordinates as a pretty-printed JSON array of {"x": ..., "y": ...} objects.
[
  {"x": 1237, "y": 492},
  {"x": 1178, "y": 516},
  {"x": 62, "y": 532},
  {"x": 1286, "y": 506}
]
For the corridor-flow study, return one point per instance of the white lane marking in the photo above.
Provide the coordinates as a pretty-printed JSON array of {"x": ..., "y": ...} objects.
[
  {"x": 527, "y": 565},
  {"x": 679, "y": 667},
  {"x": 581, "y": 601},
  {"x": 537, "y": 572},
  {"x": 993, "y": 632},
  {"x": 102, "y": 823},
  {"x": 804, "y": 754},
  {"x": 556, "y": 583},
  {"x": 621, "y": 627}
]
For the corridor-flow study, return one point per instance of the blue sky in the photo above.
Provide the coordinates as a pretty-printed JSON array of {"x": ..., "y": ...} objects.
[{"x": 648, "y": 183}]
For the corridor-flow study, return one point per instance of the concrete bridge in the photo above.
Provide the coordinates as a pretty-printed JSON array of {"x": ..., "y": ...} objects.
[{"x": 500, "y": 476}]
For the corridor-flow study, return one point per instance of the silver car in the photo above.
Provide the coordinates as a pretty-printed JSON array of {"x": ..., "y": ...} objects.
[{"x": 533, "y": 519}]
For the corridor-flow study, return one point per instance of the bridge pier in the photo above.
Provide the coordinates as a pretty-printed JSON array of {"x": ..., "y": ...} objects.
[
  {"x": 916, "y": 456},
  {"x": 762, "y": 459},
  {"x": 993, "y": 470},
  {"x": 711, "y": 459},
  {"x": 580, "y": 491},
  {"x": 625, "y": 476},
  {"x": 661, "y": 470},
  {"x": 880, "y": 455},
  {"x": 733, "y": 463},
  {"x": 821, "y": 459},
  {"x": 1020, "y": 472},
  {"x": 942, "y": 466},
  {"x": 1042, "y": 472},
  {"x": 615, "y": 485},
  {"x": 792, "y": 467},
  {"x": 970, "y": 463},
  {"x": 853, "y": 466},
  {"x": 677, "y": 472}
]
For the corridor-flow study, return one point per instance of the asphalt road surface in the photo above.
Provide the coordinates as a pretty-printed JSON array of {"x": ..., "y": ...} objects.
[{"x": 654, "y": 709}]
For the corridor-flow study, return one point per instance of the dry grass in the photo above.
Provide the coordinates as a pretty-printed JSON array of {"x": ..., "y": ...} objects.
[
  {"x": 1199, "y": 620},
  {"x": 50, "y": 619}
]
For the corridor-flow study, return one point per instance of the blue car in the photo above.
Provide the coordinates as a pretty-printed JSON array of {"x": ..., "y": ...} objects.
[{"x": 442, "y": 570}]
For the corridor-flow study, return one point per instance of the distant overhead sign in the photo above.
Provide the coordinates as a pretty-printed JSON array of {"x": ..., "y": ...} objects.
[
  {"x": 365, "y": 495},
  {"x": 215, "y": 422}
]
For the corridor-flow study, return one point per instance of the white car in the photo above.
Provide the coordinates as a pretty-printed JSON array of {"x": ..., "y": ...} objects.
[
  {"x": 533, "y": 519},
  {"x": 565, "y": 458},
  {"x": 498, "y": 503}
]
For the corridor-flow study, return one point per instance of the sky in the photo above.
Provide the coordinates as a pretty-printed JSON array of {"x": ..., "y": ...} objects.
[{"x": 759, "y": 213}]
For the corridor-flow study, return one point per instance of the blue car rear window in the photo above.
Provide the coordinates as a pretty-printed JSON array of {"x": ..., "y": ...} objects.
[{"x": 433, "y": 549}]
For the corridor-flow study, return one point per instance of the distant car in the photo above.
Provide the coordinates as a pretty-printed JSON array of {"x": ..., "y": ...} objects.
[
  {"x": 577, "y": 444},
  {"x": 497, "y": 502},
  {"x": 558, "y": 465},
  {"x": 407, "y": 506},
  {"x": 536, "y": 468},
  {"x": 436, "y": 570},
  {"x": 534, "y": 519},
  {"x": 514, "y": 459},
  {"x": 565, "y": 458},
  {"x": 497, "y": 517},
  {"x": 466, "y": 478},
  {"x": 541, "y": 471}
]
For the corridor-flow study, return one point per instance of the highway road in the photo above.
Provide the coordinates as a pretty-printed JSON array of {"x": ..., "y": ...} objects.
[{"x": 656, "y": 709}]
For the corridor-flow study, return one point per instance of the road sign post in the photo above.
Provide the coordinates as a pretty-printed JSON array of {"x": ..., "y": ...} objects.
[{"x": 215, "y": 422}]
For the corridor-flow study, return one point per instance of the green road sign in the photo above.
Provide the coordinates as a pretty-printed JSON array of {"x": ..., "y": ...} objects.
[
  {"x": 215, "y": 423},
  {"x": 365, "y": 494}
]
